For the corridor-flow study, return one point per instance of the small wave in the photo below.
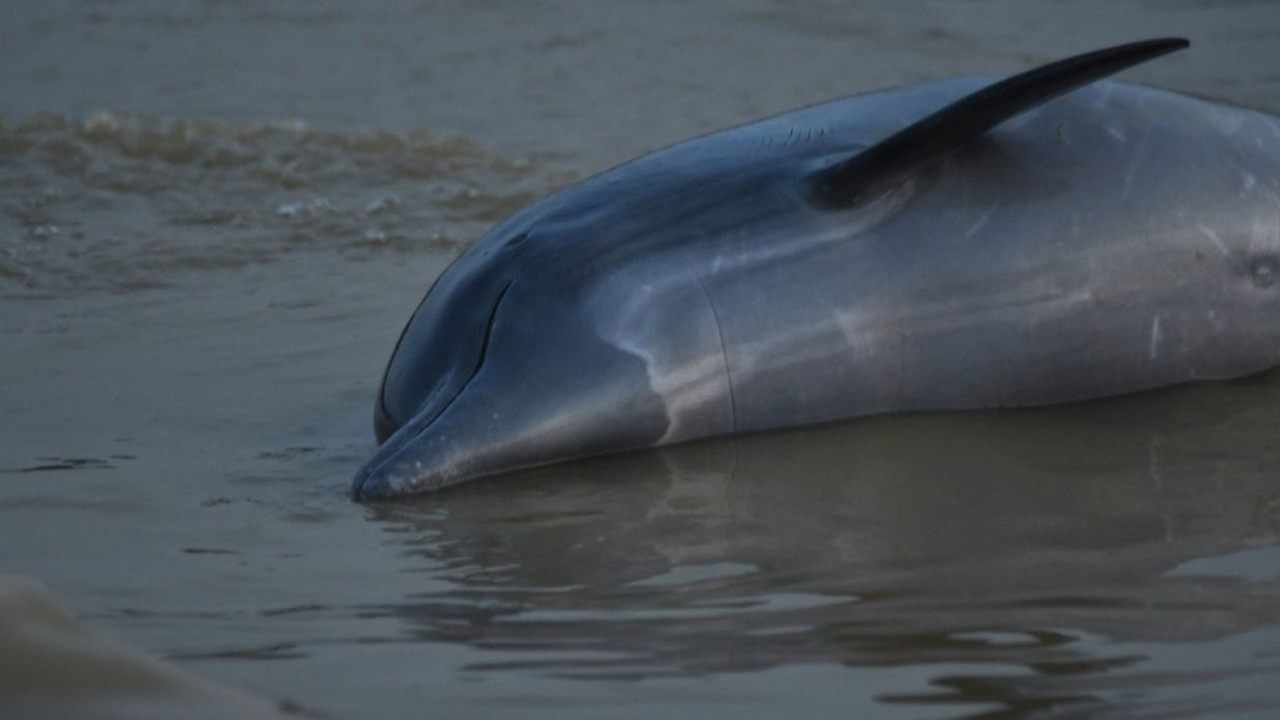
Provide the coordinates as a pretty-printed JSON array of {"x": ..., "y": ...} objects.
[{"x": 115, "y": 202}]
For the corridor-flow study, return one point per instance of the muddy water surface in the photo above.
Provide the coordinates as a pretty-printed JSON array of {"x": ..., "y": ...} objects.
[{"x": 216, "y": 216}]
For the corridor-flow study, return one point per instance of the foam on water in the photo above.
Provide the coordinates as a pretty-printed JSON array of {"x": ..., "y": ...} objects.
[{"x": 118, "y": 202}]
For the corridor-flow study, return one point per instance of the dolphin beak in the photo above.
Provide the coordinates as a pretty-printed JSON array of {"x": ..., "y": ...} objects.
[
  {"x": 369, "y": 484},
  {"x": 398, "y": 465},
  {"x": 373, "y": 481},
  {"x": 387, "y": 476},
  {"x": 384, "y": 475}
]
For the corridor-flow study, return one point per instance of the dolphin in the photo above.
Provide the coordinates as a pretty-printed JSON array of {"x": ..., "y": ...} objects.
[{"x": 961, "y": 244}]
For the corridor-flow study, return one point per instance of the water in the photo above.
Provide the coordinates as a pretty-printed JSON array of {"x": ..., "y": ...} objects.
[{"x": 216, "y": 216}]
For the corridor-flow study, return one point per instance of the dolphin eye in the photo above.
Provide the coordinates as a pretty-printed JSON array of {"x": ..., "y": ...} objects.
[{"x": 1263, "y": 270}]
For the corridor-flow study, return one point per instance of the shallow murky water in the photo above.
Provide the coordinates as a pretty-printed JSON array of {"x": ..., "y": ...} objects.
[{"x": 216, "y": 216}]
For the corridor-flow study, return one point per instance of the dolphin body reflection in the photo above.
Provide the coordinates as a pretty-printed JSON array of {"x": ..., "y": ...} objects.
[{"x": 952, "y": 245}]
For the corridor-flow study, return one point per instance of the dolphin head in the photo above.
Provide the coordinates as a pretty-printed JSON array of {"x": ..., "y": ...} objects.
[
  {"x": 581, "y": 325},
  {"x": 528, "y": 350},
  {"x": 442, "y": 347}
]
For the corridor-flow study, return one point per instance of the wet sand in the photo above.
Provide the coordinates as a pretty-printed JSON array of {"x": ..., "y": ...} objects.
[{"x": 215, "y": 218}]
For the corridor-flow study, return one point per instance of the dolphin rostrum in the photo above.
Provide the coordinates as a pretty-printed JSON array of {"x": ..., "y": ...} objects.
[{"x": 950, "y": 245}]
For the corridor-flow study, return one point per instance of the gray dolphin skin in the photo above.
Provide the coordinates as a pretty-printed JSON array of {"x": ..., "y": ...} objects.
[{"x": 959, "y": 244}]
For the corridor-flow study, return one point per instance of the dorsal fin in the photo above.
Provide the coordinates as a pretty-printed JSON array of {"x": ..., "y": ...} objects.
[{"x": 898, "y": 157}]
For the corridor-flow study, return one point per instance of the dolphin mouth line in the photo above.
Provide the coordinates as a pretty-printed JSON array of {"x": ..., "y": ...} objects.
[
  {"x": 484, "y": 352},
  {"x": 360, "y": 488}
]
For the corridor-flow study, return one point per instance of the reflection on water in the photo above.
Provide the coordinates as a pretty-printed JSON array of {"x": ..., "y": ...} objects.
[{"x": 1065, "y": 541}]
